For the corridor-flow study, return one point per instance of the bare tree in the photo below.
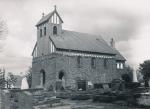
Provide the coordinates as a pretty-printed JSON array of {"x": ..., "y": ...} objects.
[{"x": 3, "y": 32}]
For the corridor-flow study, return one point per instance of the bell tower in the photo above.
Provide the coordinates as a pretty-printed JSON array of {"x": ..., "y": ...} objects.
[
  {"x": 49, "y": 25},
  {"x": 56, "y": 23}
]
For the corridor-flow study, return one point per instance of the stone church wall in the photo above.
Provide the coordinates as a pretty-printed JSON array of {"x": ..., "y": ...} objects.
[
  {"x": 54, "y": 64},
  {"x": 47, "y": 63},
  {"x": 98, "y": 74}
]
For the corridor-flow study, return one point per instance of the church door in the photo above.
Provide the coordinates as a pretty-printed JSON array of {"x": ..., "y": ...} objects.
[
  {"x": 42, "y": 77},
  {"x": 61, "y": 83}
]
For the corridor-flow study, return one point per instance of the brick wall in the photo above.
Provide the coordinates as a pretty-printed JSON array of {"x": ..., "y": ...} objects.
[
  {"x": 55, "y": 63},
  {"x": 96, "y": 75},
  {"x": 48, "y": 64}
]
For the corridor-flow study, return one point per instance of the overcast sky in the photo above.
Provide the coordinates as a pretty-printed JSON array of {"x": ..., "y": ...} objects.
[{"x": 127, "y": 21}]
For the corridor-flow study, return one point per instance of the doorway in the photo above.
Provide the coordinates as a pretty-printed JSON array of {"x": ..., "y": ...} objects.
[
  {"x": 42, "y": 77},
  {"x": 61, "y": 75}
]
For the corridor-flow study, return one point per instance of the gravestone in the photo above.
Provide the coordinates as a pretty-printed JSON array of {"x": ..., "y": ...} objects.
[
  {"x": 106, "y": 88},
  {"x": 117, "y": 85},
  {"x": 59, "y": 85}
]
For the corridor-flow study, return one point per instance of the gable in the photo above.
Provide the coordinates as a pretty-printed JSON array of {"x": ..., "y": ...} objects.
[{"x": 53, "y": 17}]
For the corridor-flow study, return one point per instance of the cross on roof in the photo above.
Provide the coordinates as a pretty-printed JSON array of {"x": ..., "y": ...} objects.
[{"x": 55, "y": 7}]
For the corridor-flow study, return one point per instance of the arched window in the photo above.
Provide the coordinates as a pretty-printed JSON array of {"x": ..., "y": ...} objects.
[
  {"x": 55, "y": 30},
  {"x": 42, "y": 77}
]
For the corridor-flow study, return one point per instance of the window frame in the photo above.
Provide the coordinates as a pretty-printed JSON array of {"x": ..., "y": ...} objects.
[
  {"x": 79, "y": 61},
  {"x": 93, "y": 62},
  {"x": 45, "y": 31},
  {"x": 119, "y": 65},
  {"x": 105, "y": 63},
  {"x": 41, "y": 32},
  {"x": 55, "y": 30}
]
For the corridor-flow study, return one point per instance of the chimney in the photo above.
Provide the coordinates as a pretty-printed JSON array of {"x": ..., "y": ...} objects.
[
  {"x": 112, "y": 43},
  {"x": 43, "y": 14}
]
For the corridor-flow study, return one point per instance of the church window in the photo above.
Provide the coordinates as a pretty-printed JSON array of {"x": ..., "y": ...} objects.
[
  {"x": 52, "y": 47},
  {"x": 105, "y": 63},
  {"x": 55, "y": 30},
  {"x": 40, "y": 32},
  {"x": 45, "y": 31},
  {"x": 120, "y": 65},
  {"x": 93, "y": 62},
  {"x": 79, "y": 61}
]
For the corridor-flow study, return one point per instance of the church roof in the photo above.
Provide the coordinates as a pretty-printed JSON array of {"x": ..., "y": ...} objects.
[
  {"x": 47, "y": 17},
  {"x": 70, "y": 40},
  {"x": 76, "y": 41},
  {"x": 119, "y": 57}
]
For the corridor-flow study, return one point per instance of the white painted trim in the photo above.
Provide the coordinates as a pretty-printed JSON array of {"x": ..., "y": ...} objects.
[{"x": 84, "y": 54}]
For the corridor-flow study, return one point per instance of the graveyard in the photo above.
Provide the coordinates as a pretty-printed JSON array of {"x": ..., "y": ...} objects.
[{"x": 116, "y": 96}]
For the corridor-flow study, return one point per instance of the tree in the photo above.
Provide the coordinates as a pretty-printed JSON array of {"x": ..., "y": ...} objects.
[
  {"x": 144, "y": 68},
  {"x": 11, "y": 80},
  {"x": 29, "y": 76},
  {"x": 139, "y": 76},
  {"x": 128, "y": 76},
  {"x": 2, "y": 78}
]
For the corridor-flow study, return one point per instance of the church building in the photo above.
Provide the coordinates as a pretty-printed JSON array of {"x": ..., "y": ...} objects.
[{"x": 77, "y": 60}]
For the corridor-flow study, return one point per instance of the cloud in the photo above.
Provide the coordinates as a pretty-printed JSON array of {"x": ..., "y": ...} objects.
[{"x": 121, "y": 26}]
